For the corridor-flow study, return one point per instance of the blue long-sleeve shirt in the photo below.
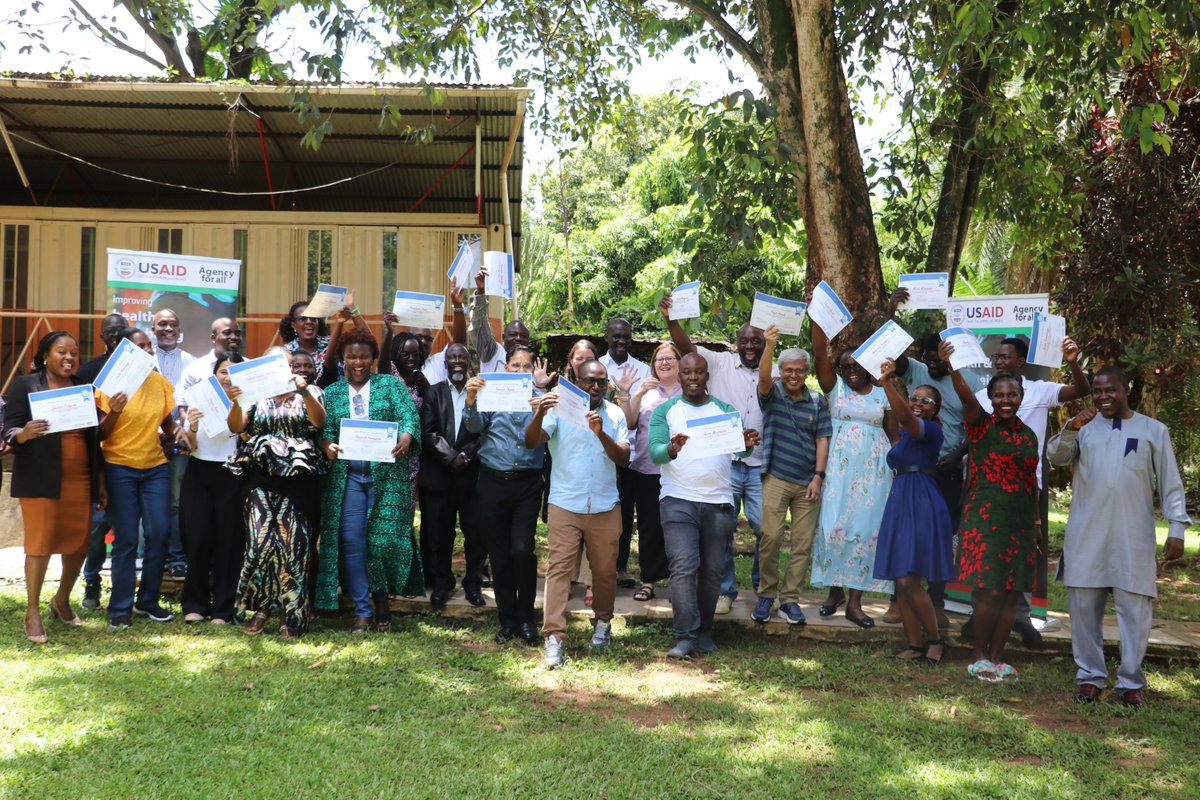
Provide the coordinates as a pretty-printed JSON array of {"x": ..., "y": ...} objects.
[{"x": 502, "y": 440}]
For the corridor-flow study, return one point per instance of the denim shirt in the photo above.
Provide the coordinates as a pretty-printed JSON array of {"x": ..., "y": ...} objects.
[{"x": 502, "y": 444}]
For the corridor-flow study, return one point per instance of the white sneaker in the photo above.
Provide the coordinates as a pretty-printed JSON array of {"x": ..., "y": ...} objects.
[
  {"x": 602, "y": 636},
  {"x": 554, "y": 652},
  {"x": 724, "y": 604}
]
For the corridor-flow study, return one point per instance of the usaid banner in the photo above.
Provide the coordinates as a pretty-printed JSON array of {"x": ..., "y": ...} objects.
[
  {"x": 1005, "y": 314},
  {"x": 198, "y": 289}
]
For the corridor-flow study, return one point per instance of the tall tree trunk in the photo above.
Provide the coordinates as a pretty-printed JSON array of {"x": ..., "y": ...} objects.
[{"x": 842, "y": 246}]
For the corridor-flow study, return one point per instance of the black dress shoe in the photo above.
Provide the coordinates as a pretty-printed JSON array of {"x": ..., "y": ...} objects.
[
  {"x": 1031, "y": 637},
  {"x": 863, "y": 622},
  {"x": 486, "y": 580},
  {"x": 506, "y": 634},
  {"x": 475, "y": 597},
  {"x": 528, "y": 632},
  {"x": 438, "y": 598}
]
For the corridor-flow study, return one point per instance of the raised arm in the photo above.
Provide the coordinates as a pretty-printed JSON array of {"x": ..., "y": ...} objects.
[
  {"x": 972, "y": 411},
  {"x": 458, "y": 320},
  {"x": 901, "y": 410},
  {"x": 1080, "y": 386},
  {"x": 767, "y": 360},
  {"x": 825, "y": 368},
  {"x": 679, "y": 337},
  {"x": 480, "y": 332}
]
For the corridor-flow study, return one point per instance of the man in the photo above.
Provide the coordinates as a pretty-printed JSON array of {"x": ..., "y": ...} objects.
[
  {"x": 734, "y": 381},
  {"x": 492, "y": 354},
  {"x": 111, "y": 328},
  {"x": 697, "y": 506},
  {"x": 621, "y": 366},
  {"x": 584, "y": 506},
  {"x": 796, "y": 434},
  {"x": 226, "y": 337},
  {"x": 1039, "y": 398},
  {"x": 449, "y": 471},
  {"x": 172, "y": 360},
  {"x": 1109, "y": 545}
]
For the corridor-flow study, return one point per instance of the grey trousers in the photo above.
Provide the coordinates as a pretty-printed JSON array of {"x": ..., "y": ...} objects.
[
  {"x": 1134, "y": 616},
  {"x": 696, "y": 535}
]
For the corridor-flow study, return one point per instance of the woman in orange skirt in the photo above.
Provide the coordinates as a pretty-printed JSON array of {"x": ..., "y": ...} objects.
[{"x": 57, "y": 478}]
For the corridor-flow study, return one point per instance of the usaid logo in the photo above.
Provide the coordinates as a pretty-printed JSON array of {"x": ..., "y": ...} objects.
[
  {"x": 957, "y": 314},
  {"x": 125, "y": 268}
]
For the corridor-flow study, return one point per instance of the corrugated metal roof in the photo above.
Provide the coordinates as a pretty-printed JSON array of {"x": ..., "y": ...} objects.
[{"x": 185, "y": 133}]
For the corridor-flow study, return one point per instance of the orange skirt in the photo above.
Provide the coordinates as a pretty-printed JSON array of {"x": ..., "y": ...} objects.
[{"x": 60, "y": 526}]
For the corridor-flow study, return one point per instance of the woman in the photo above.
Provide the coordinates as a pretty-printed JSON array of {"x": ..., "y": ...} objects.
[
  {"x": 138, "y": 480},
  {"x": 999, "y": 516},
  {"x": 661, "y": 386},
  {"x": 366, "y": 519},
  {"x": 280, "y": 465},
  {"x": 916, "y": 539},
  {"x": 309, "y": 334},
  {"x": 857, "y": 483},
  {"x": 210, "y": 516},
  {"x": 57, "y": 478},
  {"x": 407, "y": 357},
  {"x": 329, "y": 370}
]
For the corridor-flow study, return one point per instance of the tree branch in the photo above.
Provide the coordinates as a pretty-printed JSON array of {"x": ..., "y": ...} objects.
[
  {"x": 727, "y": 32},
  {"x": 166, "y": 44},
  {"x": 104, "y": 35}
]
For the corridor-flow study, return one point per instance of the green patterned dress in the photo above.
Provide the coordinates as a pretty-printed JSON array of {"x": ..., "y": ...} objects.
[{"x": 393, "y": 558}]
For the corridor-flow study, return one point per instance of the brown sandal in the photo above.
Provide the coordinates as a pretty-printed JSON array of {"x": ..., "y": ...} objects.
[{"x": 255, "y": 626}]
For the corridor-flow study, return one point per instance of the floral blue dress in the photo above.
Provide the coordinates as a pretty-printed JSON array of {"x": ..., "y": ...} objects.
[{"x": 857, "y": 483}]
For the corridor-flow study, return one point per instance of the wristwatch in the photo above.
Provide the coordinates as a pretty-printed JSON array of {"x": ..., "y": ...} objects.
[{"x": 820, "y": 473}]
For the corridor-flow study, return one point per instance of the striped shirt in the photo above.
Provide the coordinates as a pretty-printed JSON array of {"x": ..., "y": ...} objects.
[{"x": 790, "y": 432}]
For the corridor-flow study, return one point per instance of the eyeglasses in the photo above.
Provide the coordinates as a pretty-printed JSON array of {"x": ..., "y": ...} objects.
[
  {"x": 593, "y": 381},
  {"x": 360, "y": 407},
  {"x": 851, "y": 368},
  {"x": 925, "y": 401},
  {"x": 666, "y": 360},
  {"x": 308, "y": 319}
]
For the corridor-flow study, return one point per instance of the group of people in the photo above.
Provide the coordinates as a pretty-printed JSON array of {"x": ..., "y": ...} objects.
[{"x": 882, "y": 480}]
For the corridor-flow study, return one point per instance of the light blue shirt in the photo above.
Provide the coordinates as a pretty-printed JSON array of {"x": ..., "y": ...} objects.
[
  {"x": 583, "y": 479},
  {"x": 502, "y": 443}
]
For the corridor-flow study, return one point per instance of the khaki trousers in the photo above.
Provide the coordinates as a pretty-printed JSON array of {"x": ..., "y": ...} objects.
[
  {"x": 778, "y": 498},
  {"x": 600, "y": 535}
]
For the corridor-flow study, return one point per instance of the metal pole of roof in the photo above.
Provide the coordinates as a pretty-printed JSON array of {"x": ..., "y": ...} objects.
[
  {"x": 12, "y": 151},
  {"x": 505, "y": 207},
  {"x": 478, "y": 165}
]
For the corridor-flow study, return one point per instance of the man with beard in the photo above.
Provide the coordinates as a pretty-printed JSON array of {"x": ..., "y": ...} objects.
[
  {"x": 226, "y": 338},
  {"x": 1121, "y": 458},
  {"x": 172, "y": 360},
  {"x": 733, "y": 378},
  {"x": 449, "y": 470},
  {"x": 584, "y": 506},
  {"x": 697, "y": 506}
]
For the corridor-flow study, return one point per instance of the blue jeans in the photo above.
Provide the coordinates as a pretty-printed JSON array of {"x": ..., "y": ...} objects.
[
  {"x": 352, "y": 536},
  {"x": 746, "y": 482},
  {"x": 695, "y": 535},
  {"x": 137, "y": 497},
  {"x": 97, "y": 551},
  {"x": 176, "y": 554}
]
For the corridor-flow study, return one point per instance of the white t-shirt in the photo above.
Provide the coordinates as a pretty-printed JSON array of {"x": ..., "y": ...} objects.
[
  {"x": 434, "y": 369},
  {"x": 699, "y": 479},
  {"x": 199, "y": 370},
  {"x": 737, "y": 385},
  {"x": 363, "y": 411},
  {"x": 217, "y": 448},
  {"x": 1040, "y": 397}
]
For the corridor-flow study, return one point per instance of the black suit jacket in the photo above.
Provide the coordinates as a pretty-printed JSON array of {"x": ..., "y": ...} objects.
[
  {"x": 439, "y": 445},
  {"x": 37, "y": 464}
]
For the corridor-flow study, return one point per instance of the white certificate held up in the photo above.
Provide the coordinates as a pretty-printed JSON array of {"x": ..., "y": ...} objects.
[
  {"x": 926, "y": 290},
  {"x": 967, "y": 352},
  {"x": 327, "y": 301},
  {"x": 505, "y": 391},
  {"x": 573, "y": 404},
  {"x": 718, "y": 435},
  {"x": 420, "y": 310},
  {"x": 787, "y": 315},
  {"x": 500, "y": 273},
  {"x": 367, "y": 440},
  {"x": 828, "y": 310},
  {"x": 888, "y": 342},
  {"x": 126, "y": 370},
  {"x": 685, "y": 301},
  {"x": 260, "y": 378},
  {"x": 210, "y": 398},
  {"x": 463, "y": 267},
  {"x": 1046, "y": 341},
  {"x": 66, "y": 409}
]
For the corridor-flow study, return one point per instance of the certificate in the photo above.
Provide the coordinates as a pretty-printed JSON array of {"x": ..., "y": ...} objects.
[
  {"x": 888, "y": 342},
  {"x": 210, "y": 398},
  {"x": 1046, "y": 341},
  {"x": 463, "y": 267},
  {"x": 418, "y": 310},
  {"x": 505, "y": 391},
  {"x": 926, "y": 290},
  {"x": 573, "y": 404},
  {"x": 787, "y": 315},
  {"x": 367, "y": 440},
  {"x": 66, "y": 409},
  {"x": 126, "y": 370},
  {"x": 500, "y": 273},
  {"x": 828, "y": 310},
  {"x": 718, "y": 435},
  {"x": 967, "y": 352},
  {"x": 685, "y": 301},
  {"x": 327, "y": 301},
  {"x": 260, "y": 378}
]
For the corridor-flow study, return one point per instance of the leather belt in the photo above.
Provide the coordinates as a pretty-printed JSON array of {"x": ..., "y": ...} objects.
[
  {"x": 930, "y": 471},
  {"x": 512, "y": 474}
]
